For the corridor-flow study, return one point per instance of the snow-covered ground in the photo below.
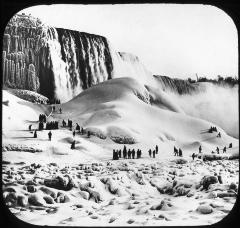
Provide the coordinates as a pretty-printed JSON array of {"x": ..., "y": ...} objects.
[{"x": 47, "y": 183}]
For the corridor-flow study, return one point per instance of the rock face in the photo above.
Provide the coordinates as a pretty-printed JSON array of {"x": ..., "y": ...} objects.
[{"x": 22, "y": 42}]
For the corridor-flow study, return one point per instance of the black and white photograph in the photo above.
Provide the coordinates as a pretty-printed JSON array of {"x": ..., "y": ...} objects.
[{"x": 120, "y": 115}]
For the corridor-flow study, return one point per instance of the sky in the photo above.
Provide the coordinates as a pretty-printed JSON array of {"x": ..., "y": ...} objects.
[{"x": 177, "y": 40}]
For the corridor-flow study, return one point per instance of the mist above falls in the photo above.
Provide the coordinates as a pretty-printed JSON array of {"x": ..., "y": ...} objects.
[{"x": 217, "y": 104}]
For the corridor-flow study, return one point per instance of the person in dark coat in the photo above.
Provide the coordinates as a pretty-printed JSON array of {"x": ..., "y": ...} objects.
[
  {"x": 88, "y": 134},
  {"x": 30, "y": 127},
  {"x": 129, "y": 154},
  {"x": 230, "y": 145},
  {"x": 73, "y": 145},
  {"x": 156, "y": 149},
  {"x": 49, "y": 135},
  {"x": 210, "y": 130},
  {"x": 217, "y": 149},
  {"x": 133, "y": 153},
  {"x": 77, "y": 127},
  {"x": 224, "y": 149},
  {"x": 200, "y": 149},
  {"x": 175, "y": 151},
  {"x": 140, "y": 153},
  {"x": 74, "y": 133},
  {"x": 180, "y": 152},
  {"x": 64, "y": 123},
  {"x": 35, "y": 134},
  {"x": 40, "y": 126},
  {"x": 60, "y": 110},
  {"x": 150, "y": 153},
  {"x": 219, "y": 135},
  {"x": 193, "y": 156},
  {"x": 53, "y": 108},
  {"x": 115, "y": 155},
  {"x": 154, "y": 152},
  {"x": 119, "y": 153},
  {"x": 124, "y": 152}
]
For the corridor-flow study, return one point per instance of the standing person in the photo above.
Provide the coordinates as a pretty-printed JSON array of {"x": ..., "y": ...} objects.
[
  {"x": 124, "y": 152},
  {"x": 156, "y": 149},
  {"x": 60, "y": 110},
  {"x": 49, "y": 135},
  {"x": 217, "y": 149},
  {"x": 210, "y": 130},
  {"x": 53, "y": 108},
  {"x": 74, "y": 133},
  {"x": 73, "y": 145},
  {"x": 88, "y": 134},
  {"x": 224, "y": 149},
  {"x": 230, "y": 145},
  {"x": 129, "y": 154},
  {"x": 150, "y": 153},
  {"x": 119, "y": 153},
  {"x": 70, "y": 124},
  {"x": 133, "y": 153},
  {"x": 114, "y": 154},
  {"x": 64, "y": 123},
  {"x": 140, "y": 153},
  {"x": 193, "y": 156},
  {"x": 35, "y": 134},
  {"x": 180, "y": 152},
  {"x": 154, "y": 153},
  {"x": 200, "y": 149},
  {"x": 77, "y": 127},
  {"x": 175, "y": 151},
  {"x": 30, "y": 127}
]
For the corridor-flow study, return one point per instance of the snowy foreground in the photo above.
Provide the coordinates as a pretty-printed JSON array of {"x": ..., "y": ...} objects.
[
  {"x": 136, "y": 192},
  {"x": 47, "y": 183}
]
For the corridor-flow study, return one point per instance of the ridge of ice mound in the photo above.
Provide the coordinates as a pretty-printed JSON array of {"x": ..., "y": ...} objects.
[{"x": 136, "y": 113}]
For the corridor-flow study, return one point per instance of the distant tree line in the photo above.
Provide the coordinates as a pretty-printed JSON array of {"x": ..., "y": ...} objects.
[{"x": 220, "y": 80}]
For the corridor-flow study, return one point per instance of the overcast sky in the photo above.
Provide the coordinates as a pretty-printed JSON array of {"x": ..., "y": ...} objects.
[{"x": 170, "y": 39}]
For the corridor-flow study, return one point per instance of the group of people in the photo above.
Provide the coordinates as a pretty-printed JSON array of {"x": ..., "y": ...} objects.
[
  {"x": 153, "y": 152},
  {"x": 52, "y": 125},
  {"x": 54, "y": 101},
  {"x": 68, "y": 124},
  {"x": 54, "y": 109},
  {"x": 42, "y": 118},
  {"x": 224, "y": 149},
  {"x": 178, "y": 152},
  {"x": 127, "y": 154},
  {"x": 212, "y": 129}
]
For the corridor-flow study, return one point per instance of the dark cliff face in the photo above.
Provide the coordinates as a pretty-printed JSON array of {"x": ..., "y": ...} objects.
[{"x": 25, "y": 56}]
